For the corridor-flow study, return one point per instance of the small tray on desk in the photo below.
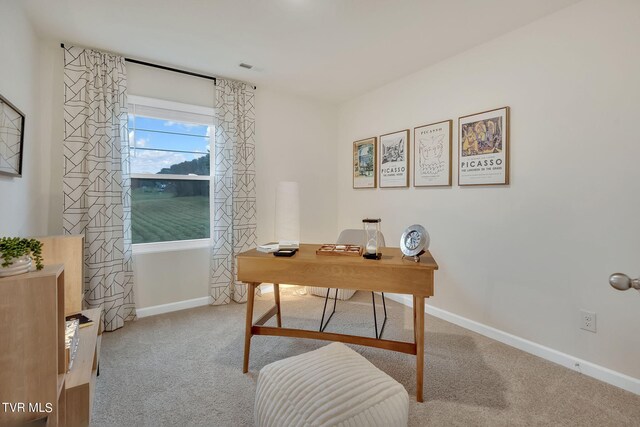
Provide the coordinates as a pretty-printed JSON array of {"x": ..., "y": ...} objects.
[{"x": 339, "y": 250}]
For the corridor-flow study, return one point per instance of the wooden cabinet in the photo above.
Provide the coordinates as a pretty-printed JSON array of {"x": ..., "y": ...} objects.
[
  {"x": 32, "y": 356},
  {"x": 33, "y": 366},
  {"x": 67, "y": 250}
]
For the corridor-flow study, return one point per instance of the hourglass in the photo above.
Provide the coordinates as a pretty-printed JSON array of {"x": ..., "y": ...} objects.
[{"x": 371, "y": 233}]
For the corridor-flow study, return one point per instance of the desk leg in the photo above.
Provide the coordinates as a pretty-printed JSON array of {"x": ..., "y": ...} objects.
[
  {"x": 419, "y": 331},
  {"x": 276, "y": 296},
  {"x": 251, "y": 292},
  {"x": 414, "y": 319}
]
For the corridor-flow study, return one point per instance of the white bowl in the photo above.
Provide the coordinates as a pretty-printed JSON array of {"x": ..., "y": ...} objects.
[{"x": 18, "y": 266}]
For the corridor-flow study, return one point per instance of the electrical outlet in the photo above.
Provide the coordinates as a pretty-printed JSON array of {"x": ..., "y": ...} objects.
[{"x": 588, "y": 320}]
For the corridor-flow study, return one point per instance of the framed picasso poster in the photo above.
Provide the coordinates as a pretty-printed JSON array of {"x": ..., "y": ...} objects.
[
  {"x": 364, "y": 163},
  {"x": 432, "y": 154},
  {"x": 394, "y": 159},
  {"x": 483, "y": 148}
]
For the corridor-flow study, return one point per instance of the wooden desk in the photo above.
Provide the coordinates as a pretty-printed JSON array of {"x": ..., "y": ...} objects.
[{"x": 390, "y": 274}]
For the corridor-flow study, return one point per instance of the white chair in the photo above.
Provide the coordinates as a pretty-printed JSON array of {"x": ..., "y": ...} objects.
[{"x": 350, "y": 237}]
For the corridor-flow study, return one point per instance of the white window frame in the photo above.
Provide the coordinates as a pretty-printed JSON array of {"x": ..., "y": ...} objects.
[{"x": 174, "y": 245}]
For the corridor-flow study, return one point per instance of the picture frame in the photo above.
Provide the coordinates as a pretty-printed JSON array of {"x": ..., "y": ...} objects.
[
  {"x": 483, "y": 148},
  {"x": 432, "y": 152},
  {"x": 11, "y": 138},
  {"x": 393, "y": 155},
  {"x": 365, "y": 163}
]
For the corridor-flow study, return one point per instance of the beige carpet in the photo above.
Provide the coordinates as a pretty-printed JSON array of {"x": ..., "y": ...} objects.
[{"x": 185, "y": 368}]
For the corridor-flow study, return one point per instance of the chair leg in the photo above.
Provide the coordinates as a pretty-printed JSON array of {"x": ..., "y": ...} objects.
[
  {"x": 384, "y": 305},
  {"x": 375, "y": 317},
  {"x": 323, "y": 325}
]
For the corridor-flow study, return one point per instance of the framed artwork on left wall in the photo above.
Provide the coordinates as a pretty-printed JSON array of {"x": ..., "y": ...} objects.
[
  {"x": 11, "y": 138},
  {"x": 364, "y": 163}
]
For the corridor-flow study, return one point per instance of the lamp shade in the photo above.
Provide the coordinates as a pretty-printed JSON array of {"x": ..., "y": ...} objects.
[{"x": 288, "y": 211}]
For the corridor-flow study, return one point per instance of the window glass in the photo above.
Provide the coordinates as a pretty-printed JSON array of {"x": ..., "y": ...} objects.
[
  {"x": 169, "y": 162},
  {"x": 176, "y": 142},
  {"x": 169, "y": 210}
]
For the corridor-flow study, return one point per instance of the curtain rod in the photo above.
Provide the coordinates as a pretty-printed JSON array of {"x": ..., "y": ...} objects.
[{"x": 163, "y": 67}]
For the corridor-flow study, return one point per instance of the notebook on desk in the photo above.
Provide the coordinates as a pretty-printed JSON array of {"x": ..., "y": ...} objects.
[{"x": 276, "y": 246}]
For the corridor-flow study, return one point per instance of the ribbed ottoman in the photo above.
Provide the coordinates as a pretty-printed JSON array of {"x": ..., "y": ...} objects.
[{"x": 331, "y": 386}]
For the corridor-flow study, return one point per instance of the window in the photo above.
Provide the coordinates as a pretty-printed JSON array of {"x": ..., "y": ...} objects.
[{"x": 170, "y": 170}]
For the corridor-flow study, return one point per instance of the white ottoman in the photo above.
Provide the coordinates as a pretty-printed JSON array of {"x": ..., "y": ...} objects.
[{"x": 331, "y": 386}]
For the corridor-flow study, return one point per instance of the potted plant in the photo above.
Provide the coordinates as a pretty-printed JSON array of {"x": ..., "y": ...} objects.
[{"x": 17, "y": 255}]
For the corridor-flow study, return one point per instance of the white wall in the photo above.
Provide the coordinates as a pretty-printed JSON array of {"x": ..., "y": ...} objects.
[
  {"x": 296, "y": 141},
  {"x": 288, "y": 128},
  {"x": 51, "y": 123},
  {"x": 525, "y": 258},
  {"x": 23, "y": 207}
]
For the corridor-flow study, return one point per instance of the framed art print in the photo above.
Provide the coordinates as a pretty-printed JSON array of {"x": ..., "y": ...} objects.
[
  {"x": 432, "y": 154},
  {"x": 483, "y": 148},
  {"x": 11, "y": 139},
  {"x": 394, "y": 159},
  {"x": 364, "y": 163}
]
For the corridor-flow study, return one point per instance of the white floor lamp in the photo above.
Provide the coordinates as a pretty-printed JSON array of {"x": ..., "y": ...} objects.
[
  {"x": 288, "y": 217},
  {"x": 288, "y": 212}
]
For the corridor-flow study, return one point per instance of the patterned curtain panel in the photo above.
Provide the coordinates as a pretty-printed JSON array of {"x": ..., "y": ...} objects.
[
  {"x": 97, "y": 197},
  {"x": 234, "y": 188}
]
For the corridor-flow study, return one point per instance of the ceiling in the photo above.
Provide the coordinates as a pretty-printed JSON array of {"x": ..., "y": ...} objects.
[{"x": 332, "y": 50}]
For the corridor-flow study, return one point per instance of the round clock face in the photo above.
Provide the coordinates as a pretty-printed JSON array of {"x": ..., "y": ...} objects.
[{"x": 414, "y": 241}]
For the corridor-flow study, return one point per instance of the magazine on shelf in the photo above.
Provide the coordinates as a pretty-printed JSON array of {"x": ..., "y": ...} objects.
[
  {"x": 71, "y": 340},
  {"x": 83, "y": 320}
]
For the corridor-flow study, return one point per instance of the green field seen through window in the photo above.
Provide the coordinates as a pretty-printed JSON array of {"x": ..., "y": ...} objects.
[{"x": 167, "y": 214}]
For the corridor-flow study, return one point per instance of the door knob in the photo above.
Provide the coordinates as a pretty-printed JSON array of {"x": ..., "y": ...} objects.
[{"x": 622, "y": 282}]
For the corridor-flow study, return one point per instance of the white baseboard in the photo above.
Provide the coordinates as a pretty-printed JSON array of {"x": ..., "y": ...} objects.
[
  {"x": 173, "y": 306},
  {"x": 182, "y": 305},
  {"x": 598, "y": 372}
]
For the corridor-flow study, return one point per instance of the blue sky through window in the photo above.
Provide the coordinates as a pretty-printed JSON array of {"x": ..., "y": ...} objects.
[{"x": 150, "y": 139}]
